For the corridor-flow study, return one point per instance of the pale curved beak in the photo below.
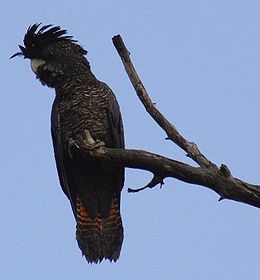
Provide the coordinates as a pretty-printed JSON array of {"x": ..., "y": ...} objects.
[{"x": 35, "y": 63}]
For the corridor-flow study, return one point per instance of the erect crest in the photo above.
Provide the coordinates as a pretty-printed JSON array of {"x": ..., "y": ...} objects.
[{"x": 36, "y": 41}]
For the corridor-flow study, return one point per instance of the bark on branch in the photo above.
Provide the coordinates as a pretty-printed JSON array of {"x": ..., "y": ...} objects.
[
  {"x": 207, "y": 174},
  {"x": 218, "y": 180},
  {"x": 172, "y": 133}
]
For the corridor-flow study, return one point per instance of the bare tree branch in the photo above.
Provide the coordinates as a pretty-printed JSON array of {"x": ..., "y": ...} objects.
[
  {"x": 208, "y": 174},
  {"x": 218, "y": 180},
  {"x": 172, "y": 133}
]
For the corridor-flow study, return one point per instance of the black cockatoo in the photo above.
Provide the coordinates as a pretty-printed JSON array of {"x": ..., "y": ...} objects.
[{"x": 82, "y": 103}]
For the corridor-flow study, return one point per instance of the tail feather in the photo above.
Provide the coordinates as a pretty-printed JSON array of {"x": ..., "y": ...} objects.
[{"x": 99, "y": 237}]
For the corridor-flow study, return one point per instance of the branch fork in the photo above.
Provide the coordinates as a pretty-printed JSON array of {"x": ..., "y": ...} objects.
[{"x": 207, "y": 173}]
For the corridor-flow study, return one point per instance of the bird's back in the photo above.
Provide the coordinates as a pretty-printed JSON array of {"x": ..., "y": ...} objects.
[{"x": 93, "y": 188}]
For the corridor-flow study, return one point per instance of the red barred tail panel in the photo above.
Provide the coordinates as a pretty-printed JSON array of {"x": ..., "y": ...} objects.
[{"x": 99, "y": 238}]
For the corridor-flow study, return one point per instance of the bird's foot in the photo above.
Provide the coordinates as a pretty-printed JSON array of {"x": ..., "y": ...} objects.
[
  {"x": 83, "y": 141},
  {"x": 90, "y": 143}
]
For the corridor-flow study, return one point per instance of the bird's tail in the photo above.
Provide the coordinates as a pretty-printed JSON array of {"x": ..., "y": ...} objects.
[{"x": 99, "y": 238}]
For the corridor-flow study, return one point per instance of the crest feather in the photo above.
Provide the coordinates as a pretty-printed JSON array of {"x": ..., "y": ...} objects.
[{"x": 36, "y": 41}]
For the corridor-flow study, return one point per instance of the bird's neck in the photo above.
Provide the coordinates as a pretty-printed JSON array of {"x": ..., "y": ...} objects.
[{"x": 68, "y": 85}]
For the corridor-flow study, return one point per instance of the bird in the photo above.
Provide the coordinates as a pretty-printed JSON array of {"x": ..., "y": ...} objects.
[{"x": 82, "y": 103}]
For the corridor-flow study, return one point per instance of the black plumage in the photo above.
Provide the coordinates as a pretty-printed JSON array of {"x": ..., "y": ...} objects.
[{"x": 82, "y": 103}]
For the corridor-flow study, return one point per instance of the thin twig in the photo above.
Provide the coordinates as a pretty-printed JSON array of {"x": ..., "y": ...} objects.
[{"x": 172, "y": 133}]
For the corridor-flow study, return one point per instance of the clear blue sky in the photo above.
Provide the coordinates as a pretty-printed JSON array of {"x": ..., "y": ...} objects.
[{"x": 200, "y": 61}]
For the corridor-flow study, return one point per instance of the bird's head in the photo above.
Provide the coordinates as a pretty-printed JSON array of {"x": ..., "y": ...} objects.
[{"x": 55, "y": 56}]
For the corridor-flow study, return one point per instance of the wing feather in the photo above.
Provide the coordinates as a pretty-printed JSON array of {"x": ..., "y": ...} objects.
[{"x": 59, "y": 155}]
